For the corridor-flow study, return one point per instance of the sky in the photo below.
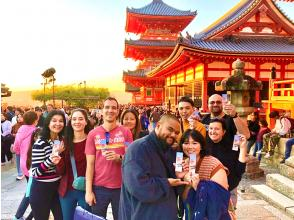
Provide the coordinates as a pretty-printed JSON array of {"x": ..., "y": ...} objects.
[{"x": 82, "y": 39}]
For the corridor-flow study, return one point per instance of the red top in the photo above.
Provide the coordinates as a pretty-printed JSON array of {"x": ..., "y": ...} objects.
[
  {"x": 64, "y": 166},
  {"x": 108, "y": 173}
]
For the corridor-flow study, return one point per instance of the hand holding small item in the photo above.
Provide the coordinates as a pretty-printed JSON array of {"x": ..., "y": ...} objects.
[
  {"x": 55, "y": 159},
  {"x": 230, "y": 109},
  {"x": 177, "y": 182},
  {"x": 111, "y": 155},
  {"x": 185, "y": 170},
  {"x": 193, "y": 179},
  {"x": 58, "y": 146}
]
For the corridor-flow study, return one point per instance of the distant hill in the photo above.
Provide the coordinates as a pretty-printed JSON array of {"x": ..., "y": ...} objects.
[{"x": 23, "y": 98}]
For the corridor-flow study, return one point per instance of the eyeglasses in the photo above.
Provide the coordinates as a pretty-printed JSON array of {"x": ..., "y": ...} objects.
[
  {"x": 215, "y": 102},
  {"x": 107, "y": 136}
]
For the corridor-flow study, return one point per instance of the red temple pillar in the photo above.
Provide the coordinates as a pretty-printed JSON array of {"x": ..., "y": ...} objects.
[
  {"x": 204, "y": 88},
  {"x": 257, "y": 77}
]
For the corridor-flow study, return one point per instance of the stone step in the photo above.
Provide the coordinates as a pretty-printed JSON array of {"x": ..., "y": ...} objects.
[
  {"x": 287, "y": 171},
  {"x": 275, "y": 198},
  {"x": 290, "y": 161},
  {"x": 281, "y": 184}
]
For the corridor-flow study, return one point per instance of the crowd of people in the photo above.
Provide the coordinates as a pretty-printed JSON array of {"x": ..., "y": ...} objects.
[{"x": 127, "y": 156}]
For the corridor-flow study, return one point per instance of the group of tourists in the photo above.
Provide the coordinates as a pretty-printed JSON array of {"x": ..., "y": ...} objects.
[
  {"x": 267, "y": 140},
  {"x": 147, "y": 163}
]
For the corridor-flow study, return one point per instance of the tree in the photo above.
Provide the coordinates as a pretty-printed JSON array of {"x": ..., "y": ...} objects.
[
  {"x": 74, "y": 96},
  {"x": 5, "y": 92}
]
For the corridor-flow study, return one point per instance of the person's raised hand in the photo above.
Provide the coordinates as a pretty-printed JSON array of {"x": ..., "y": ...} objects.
[{"x": 177, "y": 182}]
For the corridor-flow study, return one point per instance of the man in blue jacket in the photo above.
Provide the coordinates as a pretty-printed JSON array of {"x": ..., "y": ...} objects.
[{"x": 149, "y": 181}]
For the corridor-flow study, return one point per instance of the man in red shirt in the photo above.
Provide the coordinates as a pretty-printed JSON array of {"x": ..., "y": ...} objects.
[{"x": 105, "y": 148}]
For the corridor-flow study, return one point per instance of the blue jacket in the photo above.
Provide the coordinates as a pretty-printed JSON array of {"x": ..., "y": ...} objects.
[
  {"x": 146, "y": 193},
  {"x": 209, "y": 201}
]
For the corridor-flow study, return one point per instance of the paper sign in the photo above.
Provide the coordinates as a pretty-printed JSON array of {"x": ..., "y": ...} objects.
[
  {"x": 179, "y": 161},
  {"x": 192, "y": 164},
  {"x": 236, "y": 143}
]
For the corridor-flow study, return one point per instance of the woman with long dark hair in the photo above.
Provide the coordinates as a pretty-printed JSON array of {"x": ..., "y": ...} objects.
[
  {"x": 130, "y": 119},
  {"x": 45, "y": 156},
  {"x": 75, "y": 141},
  {"x": 207, "y": 177}
]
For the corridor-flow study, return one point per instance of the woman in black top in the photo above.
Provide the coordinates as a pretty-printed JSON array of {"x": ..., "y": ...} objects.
[
  {"x": 221, "y": 148},
  {"x": 253, "y": 126}
]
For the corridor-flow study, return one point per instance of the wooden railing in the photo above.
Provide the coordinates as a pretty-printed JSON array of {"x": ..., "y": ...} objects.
[{"x": 282, "y": 90}]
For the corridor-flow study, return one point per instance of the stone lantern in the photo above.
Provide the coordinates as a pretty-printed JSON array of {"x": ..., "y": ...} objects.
[{"x": 240, "y": 89}]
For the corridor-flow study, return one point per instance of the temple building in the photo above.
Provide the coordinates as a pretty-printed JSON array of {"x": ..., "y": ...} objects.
[
  {"x": 255, "y": 31},
  {"x": 158, "y": 26}
]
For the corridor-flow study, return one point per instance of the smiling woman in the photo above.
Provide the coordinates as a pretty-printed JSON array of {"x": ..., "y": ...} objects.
[{"x": 43, "y": 195}]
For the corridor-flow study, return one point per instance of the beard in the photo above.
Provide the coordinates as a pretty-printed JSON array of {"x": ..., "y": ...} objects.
[
  {"x": 164, "y": 144},
  {"x": 216, "y": 111}
]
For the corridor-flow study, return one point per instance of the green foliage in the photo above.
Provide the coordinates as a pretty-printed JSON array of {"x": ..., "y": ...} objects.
[{"x": 73, "y": 95}]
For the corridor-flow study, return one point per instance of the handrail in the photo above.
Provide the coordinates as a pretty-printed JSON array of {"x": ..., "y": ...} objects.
[
  {"x": 282, "y": 94},
  {"x": 284, "y": 81}
]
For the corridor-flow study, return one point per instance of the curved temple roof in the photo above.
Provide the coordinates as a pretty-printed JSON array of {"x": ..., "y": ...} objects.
[
  {"x": 155, "y": 43},
  {"x": 135, "y": 73},
  {"x": 237, "y": 12},
  {"x": 252, "y": 45},
  {"x": 159, "y": 8}
]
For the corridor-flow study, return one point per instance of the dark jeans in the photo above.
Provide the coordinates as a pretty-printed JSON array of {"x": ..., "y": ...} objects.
[
  {"x": 104, "y": 196},
  {"x": 5, "y": 151},
  {"x": 43, "y": 198},
  {"x": 288, "y": 149},
  {"x": 249, "y": 144},
  {"x": 23, "y": 207}
]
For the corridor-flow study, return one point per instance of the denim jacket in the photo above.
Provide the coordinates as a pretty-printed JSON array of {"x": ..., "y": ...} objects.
[{"x": 209, "y": 201}]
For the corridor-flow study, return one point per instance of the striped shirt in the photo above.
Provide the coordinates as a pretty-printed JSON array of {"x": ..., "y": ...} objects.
[
  {"x": 209, "y": 165},
  {"x": 43, "y": 169}
]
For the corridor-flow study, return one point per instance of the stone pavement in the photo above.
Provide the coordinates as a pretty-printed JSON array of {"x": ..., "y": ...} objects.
[{"x": 249, "y": 206}]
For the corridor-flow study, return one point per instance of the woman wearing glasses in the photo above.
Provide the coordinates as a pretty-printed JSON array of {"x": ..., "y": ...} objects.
[
  {"x": 207, "y": 196},
  {"x": 75, "y": 141}
]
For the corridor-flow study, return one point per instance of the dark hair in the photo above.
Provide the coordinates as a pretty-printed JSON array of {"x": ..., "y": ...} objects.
[
  {"x": 45, "y": 133},
  {"x": 196, "y": 136},
  {"x": 112, "y": 99},
  {"x": 186, "y": 99},
  {"x": 219, "y": 120},
  {"x": 274, "y": 114},
  {"x": 19, "y": 110},
  {"x": 6, "y": 115},
  {"x": 30, "y": 117},
  {"x": 37, "y": 108},
  {"x": 34, "y": 137},
  {"x": 69, "y": 132},
  {"x": 263, "y": 122},
  {"x": 256, "y": 114},
  {"x": 137, "y": 129}
]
